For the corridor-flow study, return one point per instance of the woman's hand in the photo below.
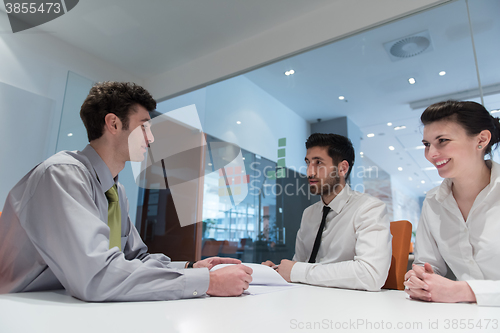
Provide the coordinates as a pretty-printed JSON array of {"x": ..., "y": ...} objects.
[{"x": 422, "y": 284}]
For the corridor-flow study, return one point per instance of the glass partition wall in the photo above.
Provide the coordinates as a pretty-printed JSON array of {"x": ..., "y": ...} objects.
[
  {"x": 371, "y": 87},
  {"x": 252, "y": 230}
]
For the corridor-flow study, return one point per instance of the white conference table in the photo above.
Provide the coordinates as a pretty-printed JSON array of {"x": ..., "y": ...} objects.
[{"x": 303, "y": 309}]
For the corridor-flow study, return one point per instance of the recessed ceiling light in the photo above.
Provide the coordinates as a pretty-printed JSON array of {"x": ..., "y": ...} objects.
[
  {"x": 429, "y": 169},
  {"x": 442, "y": 73},
  {"x": 290, "y": 72},
  {"x": 341, "y": 98},
  {"x": 70, "y": 134},
  {"x": 495, "y": 111},
  {"x": 243, "y": 158},
  {"x": 400, "y": 169},
  {"x": 389, "y": 124},
  {"x": 425, "y": 192},
  {"x": 209, "y": 164},
  {"x": 238, "y": 122},
  {"x": 411, "y": 80},
  {"x": 371, "y": 135},
  {"x": 391, "y": 148},
  {"x": 410, "y": 179},
  {"x": 420, "y": 147},
  {"x": 361, "y": 153},
  {"x": 423, "y": 181},
  {"x": 397, "y": 128}
]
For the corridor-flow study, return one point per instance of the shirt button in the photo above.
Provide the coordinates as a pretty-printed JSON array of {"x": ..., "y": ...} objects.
[{"x": 195, "y": 293}]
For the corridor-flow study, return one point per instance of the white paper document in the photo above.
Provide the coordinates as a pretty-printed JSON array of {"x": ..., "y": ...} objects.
[{"x": 264, "y": 279}]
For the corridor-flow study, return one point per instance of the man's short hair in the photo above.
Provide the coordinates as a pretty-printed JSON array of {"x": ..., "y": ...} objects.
[
  {"x": 118, "y": 98},
  {"x": 339, "y": 148}
]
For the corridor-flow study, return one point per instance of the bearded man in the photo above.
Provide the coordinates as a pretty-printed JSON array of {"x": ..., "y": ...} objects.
[{"x": 344, "y": 240}]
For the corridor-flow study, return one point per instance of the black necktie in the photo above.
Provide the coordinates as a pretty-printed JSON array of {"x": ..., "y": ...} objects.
[{"x": 317, "y": 241}]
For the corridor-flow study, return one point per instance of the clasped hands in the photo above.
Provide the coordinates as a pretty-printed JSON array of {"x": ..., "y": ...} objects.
[{"x": 421, "y": 283}]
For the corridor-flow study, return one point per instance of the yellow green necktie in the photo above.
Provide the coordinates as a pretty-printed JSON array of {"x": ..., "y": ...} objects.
[{"x": 114, "y": 218}]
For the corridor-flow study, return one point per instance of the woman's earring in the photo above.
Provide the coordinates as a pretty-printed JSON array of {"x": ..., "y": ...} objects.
[{"x": 480, "y": 147}]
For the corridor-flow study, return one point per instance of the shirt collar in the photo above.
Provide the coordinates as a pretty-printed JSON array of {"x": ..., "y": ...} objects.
[
  {"x": 101, "y": 169},
  {"x": 495, "y": 174},
  {"x": 444, "y": 189},
  {"x": 340, "y": 200}
]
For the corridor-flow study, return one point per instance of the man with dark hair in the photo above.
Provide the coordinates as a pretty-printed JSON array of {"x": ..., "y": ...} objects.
[
  {"x": 116, "y": 98},
  {"x": 344, "y": 240},
  {"x": 66, "y": 223}
]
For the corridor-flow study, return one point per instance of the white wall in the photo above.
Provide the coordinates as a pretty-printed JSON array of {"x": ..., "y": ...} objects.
[
  {"x": 341, "y": 18},
  {"x": 39, "y": 63},
  {"x": 264, "y": 120},
  {"x": 36, "y": 65},
  {"x": 24, "y": 118}
]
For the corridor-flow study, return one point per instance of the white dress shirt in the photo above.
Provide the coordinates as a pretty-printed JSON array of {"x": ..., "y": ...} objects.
[
  {"x": 356, "y": 247},
  {"x": 470, "y": 248},
  {"x": 54, "y": 234}
]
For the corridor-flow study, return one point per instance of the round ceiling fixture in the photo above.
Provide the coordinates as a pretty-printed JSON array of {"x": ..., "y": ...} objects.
[{"x": 410, "y": 46}]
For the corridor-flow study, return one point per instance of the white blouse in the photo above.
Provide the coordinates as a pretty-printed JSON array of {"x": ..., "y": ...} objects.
[{"x": 470, "y": 248}]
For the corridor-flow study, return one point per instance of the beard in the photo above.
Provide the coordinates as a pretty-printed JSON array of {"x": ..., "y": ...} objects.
[{"x": 325, "y": 186}]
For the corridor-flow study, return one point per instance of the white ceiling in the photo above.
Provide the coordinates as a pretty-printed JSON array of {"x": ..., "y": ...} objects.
[
  {"x": 376, "y": 88},
  {"x": 150, "y": 37}
]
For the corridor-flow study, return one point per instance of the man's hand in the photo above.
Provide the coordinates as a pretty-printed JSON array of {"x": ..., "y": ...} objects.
[
  {"x": 230, "y": 281},
  {"x": 212, "y": 261},
  {"x": 268, "y": 263},
  {"x": 285, "y": 268},
  {"x": 423, "y": 284}
]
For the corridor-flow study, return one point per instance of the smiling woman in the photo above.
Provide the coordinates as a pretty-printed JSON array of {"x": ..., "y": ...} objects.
[{"x": 458, "y": 218}]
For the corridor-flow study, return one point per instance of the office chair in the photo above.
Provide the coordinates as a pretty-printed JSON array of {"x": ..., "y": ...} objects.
[
  {"x": 211, "y": 248},
  {"x": 401, "y": 238},
  {"x": 228, "y": 249}
]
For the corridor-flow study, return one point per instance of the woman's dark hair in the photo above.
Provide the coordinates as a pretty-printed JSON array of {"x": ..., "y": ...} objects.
[
  {"x": 472, "y": 116},
  {"x": 118, "y": 98},
  {"x": 339, "y": 147}
]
